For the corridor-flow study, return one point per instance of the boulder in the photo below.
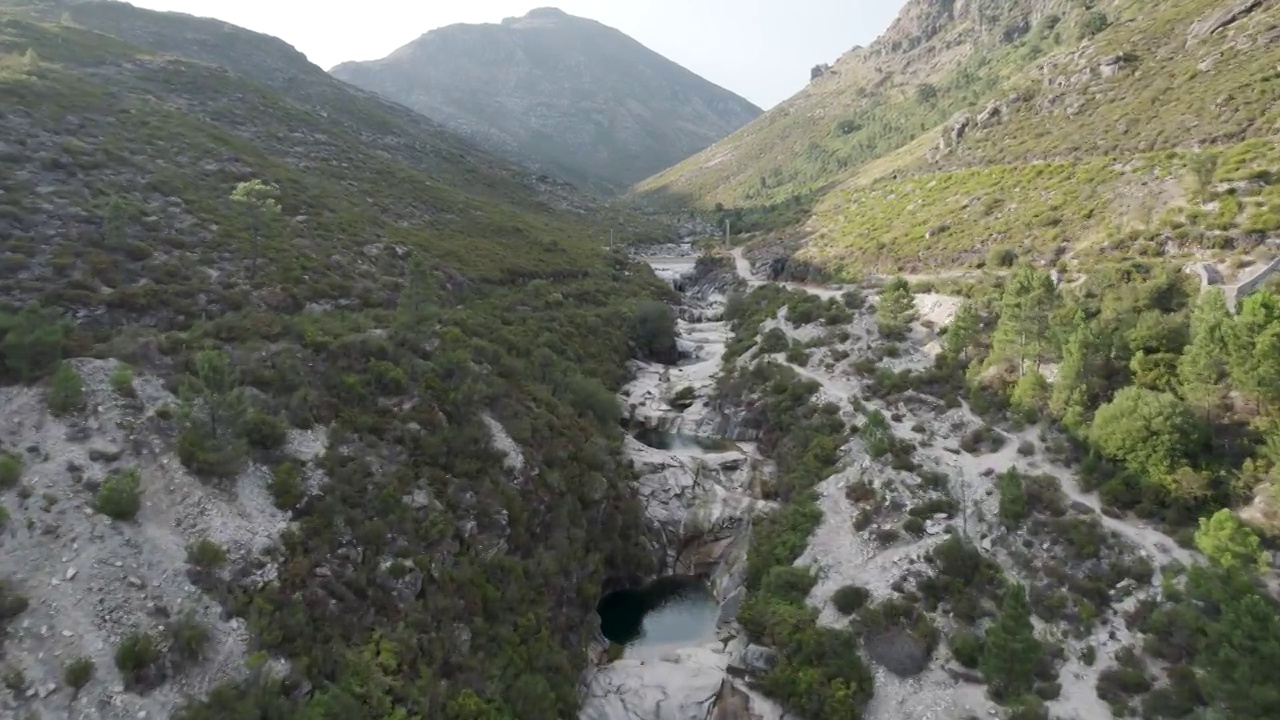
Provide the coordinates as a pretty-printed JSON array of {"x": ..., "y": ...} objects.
[
  {"x": 899, "y": 652},
  {"x": 1215, "y": 21}
]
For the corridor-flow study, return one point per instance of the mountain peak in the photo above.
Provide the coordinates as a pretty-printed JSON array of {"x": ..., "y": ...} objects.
[{"x": 565, "y": 95}]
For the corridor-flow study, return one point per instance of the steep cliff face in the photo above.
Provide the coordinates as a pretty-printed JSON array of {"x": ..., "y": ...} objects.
[{"x": 567, "y": 95}]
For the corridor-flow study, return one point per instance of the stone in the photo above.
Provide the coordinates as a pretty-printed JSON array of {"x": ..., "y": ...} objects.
[
  {"x": 1216, "y": 21},
  {"x": 71, "y": 574},
  {"x": 758, "y": 659},
  {"x": 900, "y": 652},
  {"x": 105, "y": 455}
]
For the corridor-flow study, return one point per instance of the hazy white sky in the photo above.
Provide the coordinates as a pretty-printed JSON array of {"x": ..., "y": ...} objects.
[{"x": 760, "y": 49}]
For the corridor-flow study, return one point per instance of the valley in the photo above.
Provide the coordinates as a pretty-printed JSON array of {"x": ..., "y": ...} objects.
[{"x": 524, "y": 374}]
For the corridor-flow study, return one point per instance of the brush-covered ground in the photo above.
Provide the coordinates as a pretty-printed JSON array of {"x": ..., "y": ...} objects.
[{"x": 308, "y": 403}]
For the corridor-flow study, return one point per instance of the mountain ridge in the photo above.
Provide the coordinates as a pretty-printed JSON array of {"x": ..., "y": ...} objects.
[
  {"x": 567, "y": 95},
  {"x": 955, "y": 90}
]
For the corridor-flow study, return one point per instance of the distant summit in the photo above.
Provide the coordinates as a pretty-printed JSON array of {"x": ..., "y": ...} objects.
[{"x": 566, "y": 95}]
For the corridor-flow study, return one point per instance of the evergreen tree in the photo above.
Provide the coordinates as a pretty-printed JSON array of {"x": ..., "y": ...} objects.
[
  {"x": 895, "y": 309},
  {"x": 1030, "y": 396},
  {"x": 1240, "y": 657},
  {"x": 1011, "y": 650},
  {"x": 258, "y": 199},
  {"x": 1202, "y": 370},
  {"x": 1247, "y": 366},
  {"x": 1153, "y": 434},
  {"x": 1070, "y": 397},
  {"x": 1229, "y": 543},
  {"x": 1023, "y": 334},
  {"x": 963, "y": 331},
  {"x": 214, "y": 414}
]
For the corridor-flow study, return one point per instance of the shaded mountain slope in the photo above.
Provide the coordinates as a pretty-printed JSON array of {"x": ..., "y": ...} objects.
[{"x": 567, "y": 95}]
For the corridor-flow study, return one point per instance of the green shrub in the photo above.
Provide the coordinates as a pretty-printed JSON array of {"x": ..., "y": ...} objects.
[
  {"x": 849, "y": 599},
  {"x": 1095, "y": 22},
  {"x": 10, "y": 470},
  {"x": 206, "y": 554},
  {"x": 31, "y": 342},
  {"x": 136, "y": 652},
  {"x": 208, "y": 457},
  {"x": 1001, "y": 257},
  {"x": 286, "y": 486},
  {"x": 774, "y": 341},
  {"x": 15, "y": 680},
  {"x": 122, "y": 381},
  {"x": 120, "y": 496},
  {"x": 188, "y": 638},
  {"x": 12, "y": 602},
  {"x": 78, "y": 672},
  {"x": 66, "y": 391},
  {"x": 913, "y": 526},
  {"x": 653, "y": 332},
  {"x": 1013, "y": 498},
  {"x": 966, "y": 648},
  {"x": 265, "y": 431}
]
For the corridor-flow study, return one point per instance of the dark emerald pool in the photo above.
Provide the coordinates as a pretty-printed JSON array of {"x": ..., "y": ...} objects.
[{"x": 669, "y": 613}]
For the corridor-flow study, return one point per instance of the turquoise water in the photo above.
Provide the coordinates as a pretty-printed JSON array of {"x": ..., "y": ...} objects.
[{"x": 669, "y": 613}]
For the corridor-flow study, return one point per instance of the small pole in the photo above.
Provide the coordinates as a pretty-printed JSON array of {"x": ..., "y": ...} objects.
[
  {"x": 727, "y": 242},
  {"x": 610, "y": 238}
]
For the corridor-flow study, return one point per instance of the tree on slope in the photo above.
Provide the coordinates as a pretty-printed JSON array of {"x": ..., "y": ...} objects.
[
  {"x": 1023, "y": 334},
  {"x": 895, "y": 309},
  {"x": 259, "y": 201},
  {"x": 1229, "y": 543},
  {"x": 1011, "y": 650},
  {"x": 1202, "y": 370},
  {"x": 1152, "y": 433}
]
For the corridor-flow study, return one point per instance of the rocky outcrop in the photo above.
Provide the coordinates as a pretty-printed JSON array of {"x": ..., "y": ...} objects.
[
  {"x": 687, "y": 684},
  {"x": 1215, "y": 21}
]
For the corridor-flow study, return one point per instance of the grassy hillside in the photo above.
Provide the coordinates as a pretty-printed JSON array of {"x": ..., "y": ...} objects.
[
  {"x": 410, "y": 284},
  {"x": 1037, "y": 125}
]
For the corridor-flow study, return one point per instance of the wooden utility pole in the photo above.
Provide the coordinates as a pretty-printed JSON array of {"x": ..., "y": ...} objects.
[{"x": 727, "y": 242}]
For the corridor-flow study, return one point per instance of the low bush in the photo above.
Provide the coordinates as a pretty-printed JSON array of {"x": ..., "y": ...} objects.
[
  {"x": 120, "y": 496},
  {"x": 849, "y": 599},
  {"x": 10, "y": 470}
]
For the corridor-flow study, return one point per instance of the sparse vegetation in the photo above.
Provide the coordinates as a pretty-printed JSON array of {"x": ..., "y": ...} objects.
[
  {"x": 66, "y": 391},
  {"x": 206, "y": 554},
  {"x": 10, "y": 470},
  {"x": 77, "y": 673},
  {"x": 120, "y": 496},
  {"x": 122, "y": 381}
]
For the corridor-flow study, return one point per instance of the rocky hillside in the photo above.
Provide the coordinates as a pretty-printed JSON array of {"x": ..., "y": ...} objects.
[
  {"x": 1049, "y": 128},
  {"x": 566, "y": 95},
  {"x": 285, "y": 368}
]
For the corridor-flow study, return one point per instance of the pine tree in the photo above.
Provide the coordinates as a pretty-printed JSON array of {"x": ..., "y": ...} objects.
[
  {"x": 258, "y": 200},
  {"x": 1229, "y": 543},
  {"x": 214, "y": 415},
  {"x": 963, "y": 331},
  {"x": 1023, "y": 333},
  {"x": 1070, "y": 396},
  {"x": 1202, "y": 370},
  {"x": 1257, "y": 313},
  {"x": 1011, "y": 650},
  {"x": 1240, "y": 657},
  {"x": 895, "y": 309}
]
